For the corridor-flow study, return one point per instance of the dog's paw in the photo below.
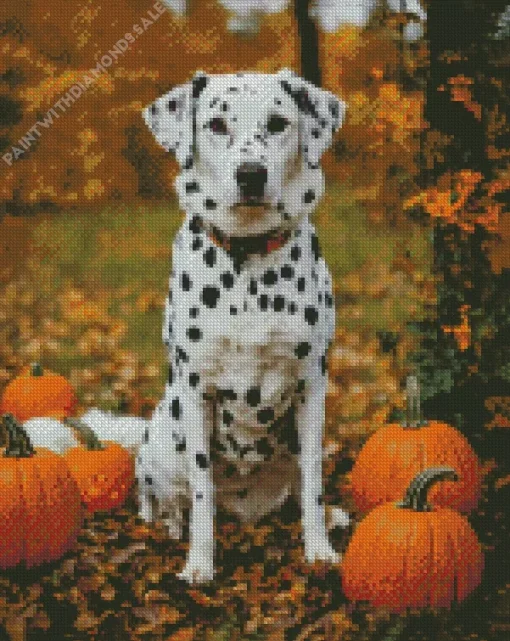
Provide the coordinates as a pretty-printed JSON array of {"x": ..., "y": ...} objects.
[
  {"x": 198, "y": 570},
  {"x": 321, "y": 550}
]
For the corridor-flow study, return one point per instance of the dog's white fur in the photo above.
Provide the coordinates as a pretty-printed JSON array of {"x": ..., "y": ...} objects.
[{"x": 251, "y": 350}]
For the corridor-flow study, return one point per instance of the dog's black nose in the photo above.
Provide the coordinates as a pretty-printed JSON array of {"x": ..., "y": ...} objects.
[{"x": 251, "y": 178}]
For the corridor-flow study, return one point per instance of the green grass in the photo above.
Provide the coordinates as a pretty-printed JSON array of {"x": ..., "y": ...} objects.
[{"x": 137, "y": 258}]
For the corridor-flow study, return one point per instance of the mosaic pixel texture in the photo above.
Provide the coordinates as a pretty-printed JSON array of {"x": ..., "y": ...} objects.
[{"x": 254, "y": 280}]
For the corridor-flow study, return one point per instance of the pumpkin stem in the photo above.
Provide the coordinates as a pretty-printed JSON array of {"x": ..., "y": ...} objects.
[
  {"x": 85, "y": 433},
  {"x": 413, "y": 405},
  {"x": 416, "y": 494},
  {"x": 37, "y": 369},
  {"x": 18, "y": 443}
]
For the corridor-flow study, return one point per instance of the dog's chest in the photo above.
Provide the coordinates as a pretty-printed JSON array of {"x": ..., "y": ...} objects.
[{"x": 248, "y": 335}]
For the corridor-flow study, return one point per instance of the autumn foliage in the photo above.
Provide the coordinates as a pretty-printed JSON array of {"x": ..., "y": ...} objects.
[{"x": 97, "y": 149}]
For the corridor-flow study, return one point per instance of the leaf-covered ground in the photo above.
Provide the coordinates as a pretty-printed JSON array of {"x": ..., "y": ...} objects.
[{"x": 83, "y": 294}]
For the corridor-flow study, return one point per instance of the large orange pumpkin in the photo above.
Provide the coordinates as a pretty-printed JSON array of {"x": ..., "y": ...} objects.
[
  {"x": 104, "y": 470},
  {"x": 411, "y": 554},
  {"x": 395, "y": 453},
  {"x": 38, "y": 392},
  {"x": 41, "y": 510}
]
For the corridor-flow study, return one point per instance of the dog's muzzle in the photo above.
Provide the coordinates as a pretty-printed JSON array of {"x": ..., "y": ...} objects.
[{"x": 251, "y": 178}]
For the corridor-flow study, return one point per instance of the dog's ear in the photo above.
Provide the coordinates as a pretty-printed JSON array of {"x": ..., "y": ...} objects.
[
  {"x": 321, "y": 114},
  {"x": 171, "y": 118}
]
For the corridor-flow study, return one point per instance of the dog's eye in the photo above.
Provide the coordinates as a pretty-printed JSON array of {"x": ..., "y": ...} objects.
[
  {"x": 218, "y": 126},
  {"x": 276, "y": 124}
]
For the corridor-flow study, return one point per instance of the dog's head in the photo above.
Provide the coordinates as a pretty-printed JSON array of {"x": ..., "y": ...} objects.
[{"x": 249, "y": 145}]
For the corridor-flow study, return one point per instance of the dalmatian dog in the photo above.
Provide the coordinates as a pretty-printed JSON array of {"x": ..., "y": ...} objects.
[{"x": 250, "y": 314}]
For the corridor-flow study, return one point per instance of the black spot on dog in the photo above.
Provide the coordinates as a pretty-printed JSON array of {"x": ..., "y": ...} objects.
[
  {"x": 181, "y": 354},
  {"x": 210, "y": 257},
  {"x": 185, "y": 282},
  {"x": 227, "y": 280},
  {"x": 210, "y": 295},
  {"x": 295, "y": 253},
  {"x": 287, "y": 271},
  {"x": 265, "y": 415},
  {"x": 302, "y": 349},
  {"x": 309, "y": 196},
  {"x": 270, "y": 277},
  {"x": 311, "y": 315},
  {"x": 278, "y": 303},
  {"x": 198, "y": 85},
  {"x": 202, "y": 461},
  {"x": 314, "y": 242},
  {"x": 227, "y": 417},
  {"x": 226, "y": 394},
  {"x": 194, "y": 333},
  {"x": 253, "y": 396},
  {"x": 262, "y": 446},
  {"x": 263, "y": 302},
  {"x": 192, "y": 187},
  {"x": 195, "y": 224},
  {"x": 176, "y": 409}
]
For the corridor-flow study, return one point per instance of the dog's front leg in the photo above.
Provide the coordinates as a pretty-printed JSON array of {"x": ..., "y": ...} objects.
[
  {"x": 199, "y": 566},
  {"x": 310, "y": 424}
]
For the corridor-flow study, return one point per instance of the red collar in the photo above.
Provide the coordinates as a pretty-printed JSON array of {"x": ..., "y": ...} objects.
[{"x": 262, "y": 243}]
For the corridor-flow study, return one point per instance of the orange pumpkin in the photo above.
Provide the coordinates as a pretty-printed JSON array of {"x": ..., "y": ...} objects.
[
  {"x": 395, "y": 453},
  {"x": 40, "y": 502},
  {"x": 37, "y": 392},
  {"x": 412, "y": 555},
  {"x": 104, "y": 471}
]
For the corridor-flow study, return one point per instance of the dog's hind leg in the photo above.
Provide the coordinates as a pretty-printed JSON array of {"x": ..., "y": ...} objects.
[{"x": 161, "y": 472}]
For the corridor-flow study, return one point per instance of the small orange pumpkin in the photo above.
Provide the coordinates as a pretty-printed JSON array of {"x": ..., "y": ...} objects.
[
  {"x": 40, "y": 502},
  {"x": 411, "y": 554},
  {"x": 38, "y": 392},
  {"x": 104, "y": 471},
  {"x": 395, "y": 453}
]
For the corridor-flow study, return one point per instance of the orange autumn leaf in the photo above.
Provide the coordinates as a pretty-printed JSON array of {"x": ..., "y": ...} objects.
[
  {"x": 499, "y": 407},
  {"x": 183, "y": 634},
  {"x": 452, "y": 200},
  {"x": 462, "y": 332}
]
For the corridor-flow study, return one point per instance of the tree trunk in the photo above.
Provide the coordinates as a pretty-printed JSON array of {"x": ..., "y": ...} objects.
[
  {"x": 309, "y": 43},
  {"x": 458, "y": 380}
]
